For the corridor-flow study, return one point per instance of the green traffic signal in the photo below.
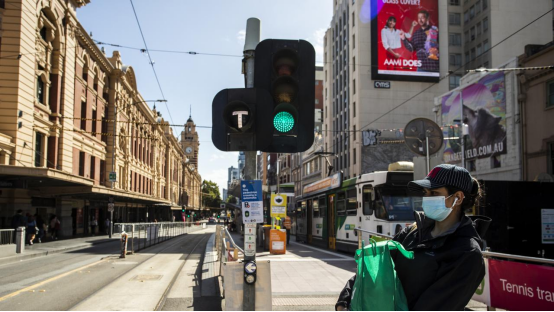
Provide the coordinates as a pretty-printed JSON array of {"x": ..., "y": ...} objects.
[{"x": 283, "y": 121}]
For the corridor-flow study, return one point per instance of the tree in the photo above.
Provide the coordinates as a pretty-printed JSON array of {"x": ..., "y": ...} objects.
[
  {"x": 232, "y": 199},
  {"x": 210, "y": 194}
]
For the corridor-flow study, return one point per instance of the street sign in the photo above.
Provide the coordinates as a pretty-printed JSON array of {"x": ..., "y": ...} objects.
[
  {"x": 252, "y": 204},
  {"x": 278, "y": 206},
  {"x": 110, "y": 207},
  {"x": 110, "y": 199},
  {"x": 113, "y": 176},
  {"x": 250, "y": 249}
]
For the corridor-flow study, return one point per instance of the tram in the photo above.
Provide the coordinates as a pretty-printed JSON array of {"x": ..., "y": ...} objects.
[{"x": 331, "y": 209}]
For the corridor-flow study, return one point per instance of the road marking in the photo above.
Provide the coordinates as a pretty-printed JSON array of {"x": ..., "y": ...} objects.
[{"x": 29, "y": 288}]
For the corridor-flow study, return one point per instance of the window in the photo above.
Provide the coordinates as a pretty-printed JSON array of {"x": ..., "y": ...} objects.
[
  {"x": 366, "y": 200},
  {"x": 485, "y": 4},
  {"x": 478, "y": 28},
  {"x": 354, "y": 86},
  {"x": 354, "y": 155},
  {"x": 83, "y": 115},
  {"x": 485, "y": 24},
  {"x": 38, "y": 149},
  {"x": 454, "y": 39},
  {"x": 94, "y": 122},
  {"x": 471, "y": 165},
  {"x": 40, "y": 90},
  {"x": 354, "y": 133},
  {"x": 352, "y": 202},
  {"x": 472, "y": 54},
  {"x": 479, "y": 50},
  {"x": 466, "y": 16},
  {"x": 353, "y": 18},
  {"x": 495, "y": 162},
  {"x": 341, "y": 204},
  {"x": 43, "y": 33},
  {"x": 82, "y": 164},
  {"x": 467, "y": 57},
  {"x": 353, "y": 63},
  {"x": 550, "y": 93},
  {"x": 472, "y": 32},
  {"x": 92, "y": 167},
  {"x": 353, "y": 41},
  {"x": 472, "y": 12},
  {"x": 454, "y": 81},
  {"x": 354, "y": 109},
  {"x": 486, "y": 64},
  {"x": 315, "y": 209},
  {"x": 477, "y": 7},
  {"x": 486, "y": 46},
  {"x": 455, "y": 59},
  {"x": 454, "y": 2},
  {"x": 454, "y": 19},
  {"x": 322, "y": 206},
  {"x": 466, "y": 36}
]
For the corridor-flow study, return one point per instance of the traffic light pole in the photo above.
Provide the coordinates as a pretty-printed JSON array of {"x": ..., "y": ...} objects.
[{"x": 251, "y": 41}]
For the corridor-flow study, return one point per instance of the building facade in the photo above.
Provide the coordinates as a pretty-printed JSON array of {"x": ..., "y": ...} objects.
[
  {"x": 70, "y": 115},
  {"x": 536, "y": 102},
  {"x": 355, "y": 104}
]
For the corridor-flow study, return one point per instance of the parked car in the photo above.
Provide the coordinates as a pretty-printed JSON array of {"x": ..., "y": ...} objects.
[{"x": 211, "y": 220}]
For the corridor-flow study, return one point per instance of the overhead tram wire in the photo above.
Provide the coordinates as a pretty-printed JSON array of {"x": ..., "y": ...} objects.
[
  {"x": 442, "y": 78},
  {"x": 151, "y": 63}
]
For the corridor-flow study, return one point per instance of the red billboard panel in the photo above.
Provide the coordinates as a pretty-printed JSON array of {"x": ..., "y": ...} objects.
[
  {"x": 405, "y": 40},
  {"x": 520, "y": 286}
]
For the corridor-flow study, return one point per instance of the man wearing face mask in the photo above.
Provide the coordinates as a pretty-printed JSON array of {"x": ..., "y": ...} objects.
[{"x": 448, "y": 265}]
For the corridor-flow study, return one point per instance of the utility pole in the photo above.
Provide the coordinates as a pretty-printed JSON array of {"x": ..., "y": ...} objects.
[{"x": 251, "y": 41}]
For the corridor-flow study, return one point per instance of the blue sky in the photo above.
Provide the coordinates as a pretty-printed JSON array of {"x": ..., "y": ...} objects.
[{"x": 204, "y": 26}]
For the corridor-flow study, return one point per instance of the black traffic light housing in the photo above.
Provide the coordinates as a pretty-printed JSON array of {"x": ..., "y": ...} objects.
[
  {"x": 237, "y": 120},
  {"x": 286, "y": 69}
]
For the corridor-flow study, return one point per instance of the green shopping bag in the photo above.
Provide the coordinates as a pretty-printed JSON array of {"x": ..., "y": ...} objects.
[{"x": 377, "y": 288}]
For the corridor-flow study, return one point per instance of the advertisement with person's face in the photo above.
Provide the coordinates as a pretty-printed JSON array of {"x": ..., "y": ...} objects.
[{"x": 405, "y": 40}]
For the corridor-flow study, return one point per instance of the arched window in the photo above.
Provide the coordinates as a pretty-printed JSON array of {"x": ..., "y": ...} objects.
[{"x": 40, "y": 90}]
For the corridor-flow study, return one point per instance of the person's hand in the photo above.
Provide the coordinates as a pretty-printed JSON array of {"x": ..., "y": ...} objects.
[
  {"x": 402, "y": 35},
  {"x": 341, "y": 308},
  {"x": 414, "y": 23},
  {"x": 397, "y": 55}
]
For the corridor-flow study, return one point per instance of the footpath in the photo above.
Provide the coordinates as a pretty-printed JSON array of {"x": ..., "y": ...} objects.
[
  {"x": 307, "y": 278},
  {"x": 48, "y": 247}
]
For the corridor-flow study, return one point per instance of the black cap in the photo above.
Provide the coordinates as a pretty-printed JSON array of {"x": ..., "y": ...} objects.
[{"x": 442, "y": 176}]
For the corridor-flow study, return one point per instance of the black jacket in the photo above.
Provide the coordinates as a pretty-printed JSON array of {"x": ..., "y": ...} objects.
[{"x": 446, "y": 270}]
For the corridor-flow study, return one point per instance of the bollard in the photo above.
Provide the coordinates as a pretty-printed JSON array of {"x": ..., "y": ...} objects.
[
  {"x": 20, "y": 240},
  {"x": 123, "y": 244},
  {"x": 133, "y": 239}
]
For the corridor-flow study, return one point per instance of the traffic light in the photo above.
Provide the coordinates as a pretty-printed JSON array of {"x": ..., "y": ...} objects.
[
  {"x": 237, "y": 120},
  {"x": 218, "y": 216},
  {"x": 183, "y": 209},
  {"x": 286, "y": 69}
]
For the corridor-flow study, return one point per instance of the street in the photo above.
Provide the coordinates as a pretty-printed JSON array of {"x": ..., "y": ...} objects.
[{"x": 78, "y": 279}]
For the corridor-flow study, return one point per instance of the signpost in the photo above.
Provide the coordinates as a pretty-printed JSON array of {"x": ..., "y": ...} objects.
[
  {"x": 110, "y": 209},
  {"x": 113, "y": 176}
]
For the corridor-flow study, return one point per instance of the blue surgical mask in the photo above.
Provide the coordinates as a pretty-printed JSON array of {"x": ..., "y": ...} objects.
[{"x": 435, "y": 207}]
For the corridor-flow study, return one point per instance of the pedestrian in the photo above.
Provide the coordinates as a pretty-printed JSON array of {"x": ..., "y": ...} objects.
[
  {"x": 18, "y": 220},
  {"x": 41, "y": 225},
  {"x": 54, "y": 227},
  {"x": 107, "y": 225},
  {"x": 93, "y": 225},
  {"x": 31, "y": 229},
  {"x": 287, "y": 225},
  {"x": 448, "y": 265}
]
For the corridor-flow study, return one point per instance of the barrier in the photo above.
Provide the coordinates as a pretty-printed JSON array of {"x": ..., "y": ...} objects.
[
  {"x": 143, "y": 235},
  {"x": 508, "y": 284}
]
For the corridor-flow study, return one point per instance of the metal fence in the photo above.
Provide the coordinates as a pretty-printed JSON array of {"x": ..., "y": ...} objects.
[
  {"x": 143, "y": 235},
  {"x": 6, "y": 236}
]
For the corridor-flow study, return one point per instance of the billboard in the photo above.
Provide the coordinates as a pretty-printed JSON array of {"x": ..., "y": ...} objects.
[
  {"x": 484, "y": 113},
  {"x": 405, "y": 40}
]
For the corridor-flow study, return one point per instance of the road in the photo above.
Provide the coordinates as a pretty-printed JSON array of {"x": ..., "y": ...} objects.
[{"x": 79, "y": 279}]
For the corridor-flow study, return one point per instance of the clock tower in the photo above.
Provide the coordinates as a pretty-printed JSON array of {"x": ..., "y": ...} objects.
[{"x": 189, "y": 142}]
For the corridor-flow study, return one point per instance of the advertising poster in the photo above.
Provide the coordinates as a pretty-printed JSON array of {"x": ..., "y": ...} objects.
[
  {"x": 252, "y": 203},
  {"x": 547, "y": 221},
  {"x": 484, "y": 113},
  {"x": 521, "y": 287},
  {"x": 405, "y": 40}
]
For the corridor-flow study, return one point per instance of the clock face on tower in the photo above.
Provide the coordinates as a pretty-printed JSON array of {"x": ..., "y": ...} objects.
[{"x": 188, "y": 150}]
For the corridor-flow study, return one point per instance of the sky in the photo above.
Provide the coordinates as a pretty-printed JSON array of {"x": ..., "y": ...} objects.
[{"x": 190, "y": 82}]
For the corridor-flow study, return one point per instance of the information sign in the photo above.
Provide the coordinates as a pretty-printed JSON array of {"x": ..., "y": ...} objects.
[
  {"x": 252, "y": 203},
  {"x": 278, "y": 206}
]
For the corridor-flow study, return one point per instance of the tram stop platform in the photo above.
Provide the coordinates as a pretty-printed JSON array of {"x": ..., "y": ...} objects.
[{"x": 305, "y": 278}]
